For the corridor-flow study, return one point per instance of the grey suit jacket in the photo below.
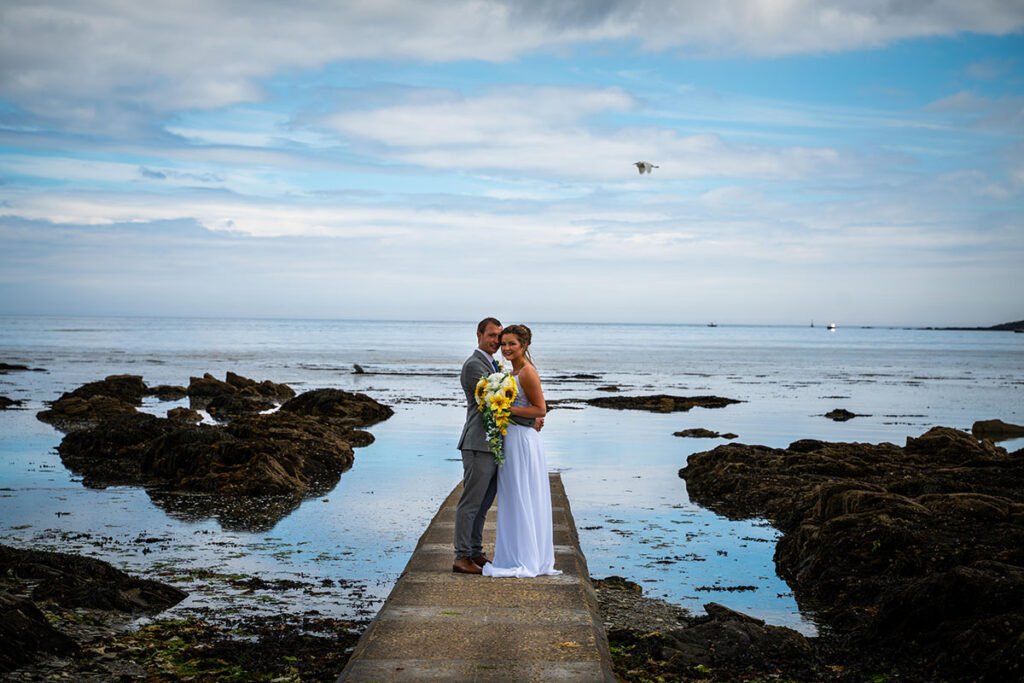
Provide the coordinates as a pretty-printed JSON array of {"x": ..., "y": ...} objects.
[{"x": 473, "y": 438}]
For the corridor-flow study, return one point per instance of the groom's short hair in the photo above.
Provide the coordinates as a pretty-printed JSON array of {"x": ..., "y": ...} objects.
[{"x": 482, "y": 325}]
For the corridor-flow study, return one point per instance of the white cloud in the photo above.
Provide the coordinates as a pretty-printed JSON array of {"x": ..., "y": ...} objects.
[
  {"x": 547, "y": 130},
  {"x": 994, "y": 113},
  {"x": 363, "y": 161},
  {"x": 98, "y": 62},
  {"x": 767, "y": 27},
  {"x": 510, "y": 113},
  {"x": 989, "y": 69},
  {"x": 596, "y": 257}
]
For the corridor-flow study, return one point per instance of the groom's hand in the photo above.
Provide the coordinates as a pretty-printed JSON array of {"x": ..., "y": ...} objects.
[{"x": 538, "y": 423}]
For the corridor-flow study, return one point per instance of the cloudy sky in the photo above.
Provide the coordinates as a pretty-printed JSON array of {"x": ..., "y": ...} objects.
[{"x": 406, "y": 159}]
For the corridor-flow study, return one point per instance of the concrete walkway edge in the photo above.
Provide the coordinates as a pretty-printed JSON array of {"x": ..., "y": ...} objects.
[{"x": 440, "y": 626}]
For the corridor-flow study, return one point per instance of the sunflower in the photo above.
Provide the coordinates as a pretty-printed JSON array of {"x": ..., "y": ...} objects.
[
  {"x": 500, "y": 403},
  {"x": 481, "y": 391}
]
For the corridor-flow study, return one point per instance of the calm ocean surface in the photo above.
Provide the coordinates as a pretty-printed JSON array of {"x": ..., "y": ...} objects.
[{"x": 619, "y": 467}]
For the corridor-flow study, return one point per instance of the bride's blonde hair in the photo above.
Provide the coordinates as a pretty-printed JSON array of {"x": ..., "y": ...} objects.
[{"x": 523, "y": 334}]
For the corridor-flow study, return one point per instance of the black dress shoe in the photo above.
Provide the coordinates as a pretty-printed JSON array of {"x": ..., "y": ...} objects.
[{"x": 464, "y": 565}]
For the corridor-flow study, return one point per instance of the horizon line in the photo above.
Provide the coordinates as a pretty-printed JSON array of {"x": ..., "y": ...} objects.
[{"x": 538, "y": 322}]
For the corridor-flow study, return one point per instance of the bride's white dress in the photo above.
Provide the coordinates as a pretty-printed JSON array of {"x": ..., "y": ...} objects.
[{"x": 524, "y": 546}]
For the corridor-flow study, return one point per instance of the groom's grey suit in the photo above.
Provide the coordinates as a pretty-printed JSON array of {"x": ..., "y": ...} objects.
[{"x": 479, "y": 471}]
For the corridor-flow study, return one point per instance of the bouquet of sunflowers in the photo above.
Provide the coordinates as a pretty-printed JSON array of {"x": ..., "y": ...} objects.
[{"x": 494, "y": 396}]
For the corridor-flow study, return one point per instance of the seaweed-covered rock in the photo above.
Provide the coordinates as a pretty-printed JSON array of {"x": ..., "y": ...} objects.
[
  {"x": 279, "y": 453},
  {"x": 73, "y": 413},
  {"x": 655, "y": 640},
  {"x": 661, "y": 403},
  {"x": 184, "y": 415},
  {"x": 79, "y": 581},
  {"x": 6, "y": 403},
  {"x": 109, "y": 453},
  {"x": 230, "y": 406},
  {"x": 996, "y": 430},
  {"x": 701, "y": 433},
  {"x": 91, "y": 403},
  {"x": 253, "y": 455},
  {"x": 169, "y": 392},
  {"x": 743, "y": 645},
  {"x": 338, "y": 407},
  {"x": 69, "y": 581},
  {"x": 128, "y": 388},
  {"x": 842, "y": 415},
  {"x": 281, "y": 392},
  {"x": 209, "y": 387},
  {"x": 272, "y": 459},
  {"x": 17, "y": 367},
  {"x": 25, "y": 633},
  {"x": 903, "y": 550},
  {"x": 236, "y": 395}
]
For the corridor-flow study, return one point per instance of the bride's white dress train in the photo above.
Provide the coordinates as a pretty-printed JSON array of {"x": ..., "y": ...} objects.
[{"x": 524, "y": 546}]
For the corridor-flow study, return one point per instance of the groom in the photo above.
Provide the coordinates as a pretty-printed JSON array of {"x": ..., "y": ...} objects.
[{"x": 479, "y": 471}]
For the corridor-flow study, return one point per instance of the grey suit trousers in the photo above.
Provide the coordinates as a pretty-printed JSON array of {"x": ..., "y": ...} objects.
[
  {"x": 480, "y": 483},
  {"x": 479, "y": 471}
]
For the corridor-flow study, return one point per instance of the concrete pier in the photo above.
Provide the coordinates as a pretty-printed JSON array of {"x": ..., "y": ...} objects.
[{"x": 441, "y": 626}]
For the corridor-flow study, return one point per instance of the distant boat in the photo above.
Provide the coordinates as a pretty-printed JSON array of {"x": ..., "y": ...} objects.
[
  {"x": 812, "y": 323},
  {"x": 831, "y": 327},
  {"x": 712, "y": 324}
]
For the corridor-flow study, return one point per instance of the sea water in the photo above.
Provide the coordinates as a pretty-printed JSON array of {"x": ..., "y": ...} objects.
[{"x": 620, "y": 468}]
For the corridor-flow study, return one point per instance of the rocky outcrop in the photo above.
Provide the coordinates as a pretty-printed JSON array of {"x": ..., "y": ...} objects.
[
  {"x": 109, "y": 453},
  {"x": 279, "y": 453},
  {"x": 701, "y": 433},
  {"x": 343, "y": 410},
  {"x": 661, "y": 403},
  {"x": 297, "y": 451},
  {"x": 339, "y": 408},
  {"x": 655, "y": 640},
  {"x": 26, "y": 633},
  {"x": 914, "y": 552},
  {"x": 236, "y": 395},
  {"x": 6, "y": 403},
  {"x": 73, "y": 413},
  {"x": 996, "y": 430},
  {"x": 184, "y": 415},
  {"x": 300, "y": 450},
  {"x": 168, "y": 392},
  {"x": 68, "y": 581},
  {"x": 842, "y": 415},
  {"x": 227, "y": 407},
  {"x": 209, "y": 386},
  {"x": 17, "y": 367},
  {"x": 745, "y": 646},
  {"x": 78, "y": 581},
  {"x": 127, "y": 388},
  {"x": 91, "y": 403}
]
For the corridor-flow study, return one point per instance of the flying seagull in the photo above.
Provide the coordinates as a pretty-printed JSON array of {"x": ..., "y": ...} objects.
[{"x": 644, "y": 166}]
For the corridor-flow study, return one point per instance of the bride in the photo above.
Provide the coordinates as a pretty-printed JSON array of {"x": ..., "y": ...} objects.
[{"x": 524, "y": 545}]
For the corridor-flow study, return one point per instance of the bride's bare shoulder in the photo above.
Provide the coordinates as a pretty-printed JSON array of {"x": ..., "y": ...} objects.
[{"x": 529, "y": 372}]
